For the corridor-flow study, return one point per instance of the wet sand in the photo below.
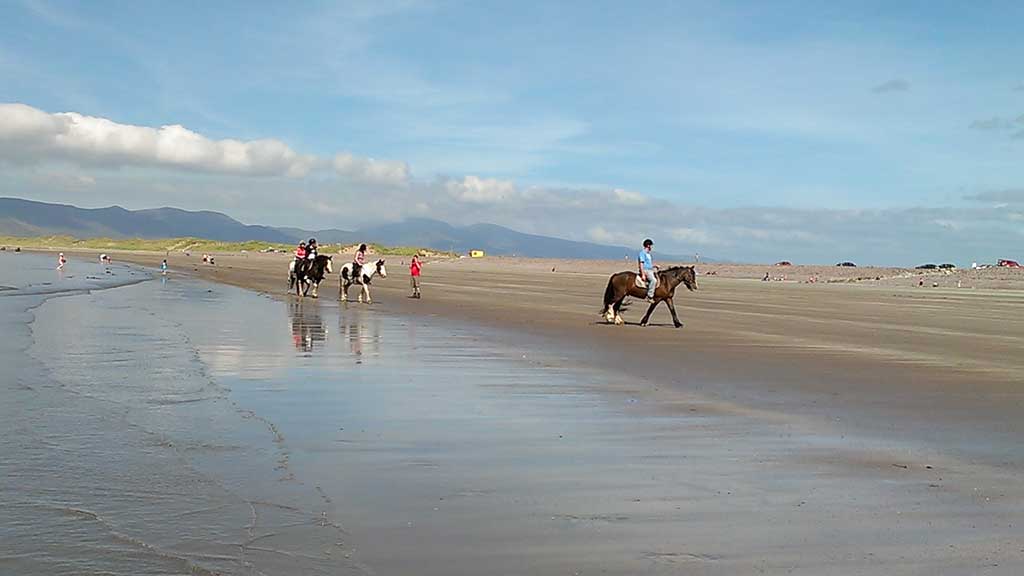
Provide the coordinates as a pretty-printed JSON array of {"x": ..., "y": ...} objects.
[{"x": 810, "y": 429}]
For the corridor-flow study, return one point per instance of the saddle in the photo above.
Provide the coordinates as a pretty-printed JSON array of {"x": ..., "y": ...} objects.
[{"x": 641, "y": 283}]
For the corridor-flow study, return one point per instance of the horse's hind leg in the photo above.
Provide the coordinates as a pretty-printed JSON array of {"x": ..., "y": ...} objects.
[
  {"x": 344, "y": 290},
  {"x": 618, "y": 317}
]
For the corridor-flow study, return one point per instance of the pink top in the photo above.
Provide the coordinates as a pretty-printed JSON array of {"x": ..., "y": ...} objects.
[{"x": 360, "y": 258}]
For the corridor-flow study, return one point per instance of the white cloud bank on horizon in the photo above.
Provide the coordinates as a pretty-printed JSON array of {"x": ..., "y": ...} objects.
[
  {"x": 30, "y": 135},
  {"x": 36, "y": 149}
]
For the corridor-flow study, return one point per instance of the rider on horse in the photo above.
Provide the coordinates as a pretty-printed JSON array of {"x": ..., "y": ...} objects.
[
  {"x": 358, "y": 260},
  {"x": 648, "y": 271}
]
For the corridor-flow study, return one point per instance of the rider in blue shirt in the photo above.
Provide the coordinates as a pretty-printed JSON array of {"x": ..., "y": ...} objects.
[{"x": 647, "y": 268}]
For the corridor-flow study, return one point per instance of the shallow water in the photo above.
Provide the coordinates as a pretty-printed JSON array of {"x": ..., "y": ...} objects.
[{"x": 176, "y": 427}]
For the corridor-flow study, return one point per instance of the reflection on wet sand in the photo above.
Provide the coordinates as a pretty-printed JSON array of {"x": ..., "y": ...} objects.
[
  {"x": 307, "y": 325},
  {"x": 360, "y": 329}
]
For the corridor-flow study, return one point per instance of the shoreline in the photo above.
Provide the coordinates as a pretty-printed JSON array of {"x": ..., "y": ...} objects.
[
  {"x": 806, "y": 452},
  {"x": 902, "y": 352}
]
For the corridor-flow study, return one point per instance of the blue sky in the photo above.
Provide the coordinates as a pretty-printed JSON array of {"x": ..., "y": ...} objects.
[{"x": 753, "y": 131}]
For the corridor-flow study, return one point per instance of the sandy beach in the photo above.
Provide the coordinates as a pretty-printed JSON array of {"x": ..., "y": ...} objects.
[{"x": 499, "y": 425}]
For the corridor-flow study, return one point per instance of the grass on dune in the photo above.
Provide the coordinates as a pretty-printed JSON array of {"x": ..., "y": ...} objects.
[{"x": 187, "y": 244}]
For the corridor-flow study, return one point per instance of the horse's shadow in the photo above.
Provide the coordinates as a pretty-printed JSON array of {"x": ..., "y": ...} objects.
[{"x": 637, "y": 324}]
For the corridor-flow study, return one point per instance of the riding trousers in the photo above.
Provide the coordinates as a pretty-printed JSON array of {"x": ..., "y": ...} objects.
[{"x": 652, "y": 282}]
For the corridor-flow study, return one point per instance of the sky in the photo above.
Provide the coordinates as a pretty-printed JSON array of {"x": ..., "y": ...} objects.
[{"x": 879, "y": 132}]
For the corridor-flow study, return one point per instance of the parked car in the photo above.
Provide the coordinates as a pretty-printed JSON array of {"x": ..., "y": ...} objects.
[
  {"x": 847, "y": 264},
  {"x": 1009, "y": 264},
  {"x": 784, "y": 263},
  {"x": 927, "y": 267},
  {"x": 947, "y": 266}
]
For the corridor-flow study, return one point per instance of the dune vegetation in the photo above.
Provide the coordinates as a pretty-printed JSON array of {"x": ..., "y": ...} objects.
[{"x": 188, "y": 244}]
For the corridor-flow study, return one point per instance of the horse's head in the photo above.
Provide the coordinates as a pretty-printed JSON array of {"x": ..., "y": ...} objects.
[
  {"x": 380, "y": 269},
  {"x": 689, "y": 277},
  {"x": 328, "y": 266}
]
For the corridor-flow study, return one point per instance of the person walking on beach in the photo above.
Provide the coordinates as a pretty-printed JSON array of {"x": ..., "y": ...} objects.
[
  {"x": 645, "y": 264},
  {"x": 61, "y": 261},
  {"x": 414, "y": 273}
]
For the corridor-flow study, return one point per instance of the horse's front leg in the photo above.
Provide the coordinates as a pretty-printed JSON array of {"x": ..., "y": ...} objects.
[
  {"x": 649, "y": 311},
  {"x": 366, "y": 290},
  {"x": 672, "y": 309},
  {"x": 316, "y": 289},
  {"x": 344, "y": 290}
]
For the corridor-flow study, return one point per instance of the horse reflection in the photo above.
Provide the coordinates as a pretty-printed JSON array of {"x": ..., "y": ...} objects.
[
  {"x": 362, "y": 333},
  {"x": 308, "y": 328}
]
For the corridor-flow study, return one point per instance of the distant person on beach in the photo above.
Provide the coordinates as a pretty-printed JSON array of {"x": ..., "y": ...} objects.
[
  {"x": 645, "y": 264},
  {"x": 358, "y": 260},
  {"x": 414, "y": 272},
  {"x": 61, "y": 261},
  {"x": 163, "y": 267}
]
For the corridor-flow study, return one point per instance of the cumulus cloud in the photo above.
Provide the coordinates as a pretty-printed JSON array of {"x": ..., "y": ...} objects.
[
  {"x": 628, "y": 197},
  {"x": 602, "y": 235},
  {"x": 28, "y": 134},
  {"x": 691, "y": 235},
  {"x": 370, "y": 170},
  {"x": 481, "y": 190},
  {"x": 894, "y": 85}
]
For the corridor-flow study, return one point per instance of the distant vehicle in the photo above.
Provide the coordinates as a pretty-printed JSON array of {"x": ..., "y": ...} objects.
[
  {"x": 927, "y": 267},
  {"x": 847, "y": 264},
  {"x": 947, "y": 266},
  {"x": 1008, "y": 264},
  {"x": 784, "y": 263},
  {"x": 476, "y": 253}
]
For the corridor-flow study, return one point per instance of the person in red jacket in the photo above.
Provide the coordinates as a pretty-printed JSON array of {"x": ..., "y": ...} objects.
[
  {"x": 300, "y": 258},
  {"x": 414, "y": 270}
]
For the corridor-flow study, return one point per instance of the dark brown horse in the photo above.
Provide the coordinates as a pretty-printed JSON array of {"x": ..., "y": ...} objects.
[{"x": 624, "y": 284}]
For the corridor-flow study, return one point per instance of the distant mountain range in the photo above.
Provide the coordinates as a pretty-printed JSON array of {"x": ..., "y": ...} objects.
[{"x": 20, "y": 217}]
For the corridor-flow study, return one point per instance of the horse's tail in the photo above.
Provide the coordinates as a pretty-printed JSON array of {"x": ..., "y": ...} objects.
[{"x": 609, "y": 294}]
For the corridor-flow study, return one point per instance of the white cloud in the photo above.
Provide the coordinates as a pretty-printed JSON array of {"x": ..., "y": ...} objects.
[
  {"x": 481, "y": 190},
  {"x": 370, "y": 170},
  {"x": 604, "y": 236},
  {"x": 32, "y": 135},
  {"x": 691, "y": 235},
  {"x": 628, "y": 197}
]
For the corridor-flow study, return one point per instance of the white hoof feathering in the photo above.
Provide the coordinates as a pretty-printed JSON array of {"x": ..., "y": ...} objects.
[{"x": 619, "y": 321}]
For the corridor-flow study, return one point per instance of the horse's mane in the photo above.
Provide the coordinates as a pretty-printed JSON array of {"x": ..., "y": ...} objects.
[{"x": 674, "y": 268}]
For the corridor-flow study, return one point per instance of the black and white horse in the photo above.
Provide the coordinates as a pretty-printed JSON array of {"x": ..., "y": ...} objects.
[
  {"x": 309, "y": 273},
  {"x": 367, "y": 274}
]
